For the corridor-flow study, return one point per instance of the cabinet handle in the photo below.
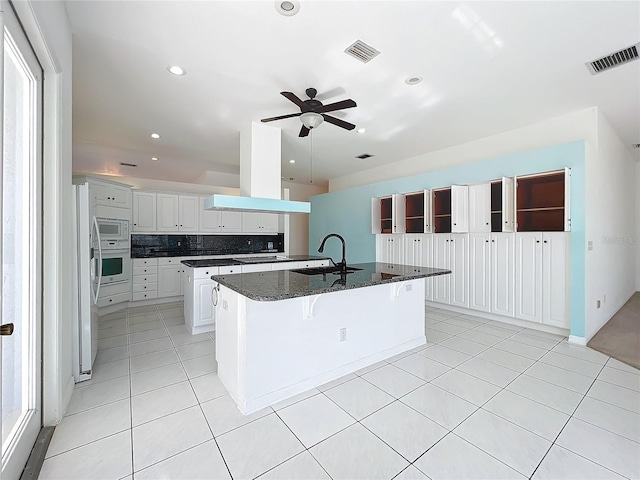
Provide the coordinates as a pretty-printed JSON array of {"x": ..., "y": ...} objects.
[
  {"x": 135, "y": 224},
  {"x": 455, "y": 224},
  {"x": 486, "y": 241},
  {"x": 111, "y": 299},
  {"x": 537, "y": 241},
  {"x": 545, "y": 241},
  {"x": 493, "y": 241}
]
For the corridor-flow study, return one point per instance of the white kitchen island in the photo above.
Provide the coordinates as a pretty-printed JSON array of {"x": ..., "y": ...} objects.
[{"x": 281, "y": 333}]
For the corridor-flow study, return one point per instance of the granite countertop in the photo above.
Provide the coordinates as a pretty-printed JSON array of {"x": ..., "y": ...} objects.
[
  {"x": 219, "y": 262},
  {"x": 283, "y": 284}
]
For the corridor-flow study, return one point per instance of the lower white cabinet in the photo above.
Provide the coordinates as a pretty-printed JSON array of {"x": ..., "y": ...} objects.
[
  {"x": 441, "y": 259},
  {"x": 418, "y": 252},
  {"x": 502, "y": 273},
  {"x": 170, "y": 271},
  {"x": 480, "y": 271},
  {"x": 390, "y": 249},
  {"x": 541, "y": 277},
  {"x": 144, "y": 279},
  {"x": 199, "y": 309},
  {"x": 459, "y": 278}
]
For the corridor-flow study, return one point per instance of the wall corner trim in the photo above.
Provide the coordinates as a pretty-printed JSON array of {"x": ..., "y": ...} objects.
[{"x": 577, "y": 340}]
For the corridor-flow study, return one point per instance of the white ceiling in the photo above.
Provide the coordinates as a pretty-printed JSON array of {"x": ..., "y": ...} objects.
[{"x": 488, "y": 67}]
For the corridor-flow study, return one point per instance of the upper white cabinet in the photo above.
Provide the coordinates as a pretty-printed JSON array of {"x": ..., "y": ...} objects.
[
  {"x": 543, "y": 202},
  {"x": 231, "y": 221},
  {"x": 418, "y": 215},
  {"x": 451, "y": 209},
  {"x": 480, "y": 208},
  {"x": 258, "y": 222},
  {"x": 144, "y": 212},
  {"x": 167, "y": 211},
  {"x": 209, "y": 219},
  {"x": 388, "y": 214},
  {"x": 110, "y": 195},
  {"x": 188, "y": 213}
]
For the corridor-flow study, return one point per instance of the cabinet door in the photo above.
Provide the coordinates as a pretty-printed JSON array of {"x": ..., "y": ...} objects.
[
  {"x": 269, "y": 222},
  {"x": 428, "y": 213},
  {"x": 480, "y": 271},
  {"x": 209, "y": 219},
  {"x": 399, "y": 213},
  {"x": 251, "y": 222},
  {"x": 412, "y": 250},
  {"x": 502, "y": 273},
  {"x": 459, "y": 208},
  {"x": 508, "y": 209},
  {"x": 427, "y": 261},
  {"x": 441, "y": 259},
  {"x": 554, "y": 279},
  {"x": 480, "y": 208},
  {"x": 169, "y": 281},
  {"x": 120, "y": 196},
  {"x": 100, "y": 193},
  {"x": 231, "y": 221},
  {"x": 167, "y": 214},
  {"x": 376, "y": 223},
  {"x": 397, "y": 249},
  {"x": 188, "y": 213},
  {"x": 459, "y": 278},
  {"x": 204, "y": 311},
  {"x": 144, "y": 212},
  {"x": 567, "y": 199},
  {"x": 529, "y": 276}
]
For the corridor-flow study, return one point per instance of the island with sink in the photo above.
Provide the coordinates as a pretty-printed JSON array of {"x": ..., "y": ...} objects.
[{"x": 282, "y": 332}]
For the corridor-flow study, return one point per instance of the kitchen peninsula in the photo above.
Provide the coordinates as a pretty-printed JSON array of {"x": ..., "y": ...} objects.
[{"x": 280, "y": 333}]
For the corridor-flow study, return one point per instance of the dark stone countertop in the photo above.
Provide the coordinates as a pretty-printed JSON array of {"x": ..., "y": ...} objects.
[
  {"x": 219, "y": 262},
  {"x": 284, "y": 284}
]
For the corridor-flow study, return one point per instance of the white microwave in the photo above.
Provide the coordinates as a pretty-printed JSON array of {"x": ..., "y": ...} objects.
[{"x": 112, "y": 229}]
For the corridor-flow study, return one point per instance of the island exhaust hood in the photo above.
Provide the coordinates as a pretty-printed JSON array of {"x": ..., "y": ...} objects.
[{"x": 260, "y": 175}]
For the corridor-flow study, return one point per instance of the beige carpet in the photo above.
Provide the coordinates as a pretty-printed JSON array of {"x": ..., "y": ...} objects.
[{"x": 620, "y": 337}]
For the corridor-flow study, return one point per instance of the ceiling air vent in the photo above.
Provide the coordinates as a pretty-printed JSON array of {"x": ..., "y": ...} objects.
[
  {"x": 364, "y": 155},
  {"x": 614, "y": 59},
  {"x": 636, "y": 145},
  {"x": 361, "y": 51},
  {"x": 128, "y": 164}
]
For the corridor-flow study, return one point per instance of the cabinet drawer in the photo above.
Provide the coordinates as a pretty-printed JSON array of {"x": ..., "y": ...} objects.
[
  {"x": 145, "y": 270},
  {"x": 137, "y": 296},
  {"x": 322, "y": 263},
  {"x": 144, "y": 262},
  {"x": 285, "y": 265},
  {"x": 229, "y": 269},
  {"x": 259, "y": 267},
  {"x": 113, "y": 299},
  {"x": 110, "y": 289},
  {"x": 145, "y": 279},
  {"x": 206, "y": 272},
  {"x": 169, "y": 261},
  {"x": 148, "y": 287}
]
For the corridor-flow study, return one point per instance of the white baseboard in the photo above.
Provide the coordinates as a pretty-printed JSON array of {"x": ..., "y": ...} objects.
[{"x": 577, "y": 340}]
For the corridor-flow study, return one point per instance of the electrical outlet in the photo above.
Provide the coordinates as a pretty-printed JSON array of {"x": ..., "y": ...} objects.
[
  {"x": 343, "y": 334},
  {"x": 225, "y": 305},
  {"x": 589, "y": 245},
  {"x": 597, "y": 303},
  {"x": 408, "y": 287}
]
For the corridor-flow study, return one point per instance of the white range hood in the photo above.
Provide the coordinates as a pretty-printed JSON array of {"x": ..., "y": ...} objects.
[{"x": 260, "y": 175}]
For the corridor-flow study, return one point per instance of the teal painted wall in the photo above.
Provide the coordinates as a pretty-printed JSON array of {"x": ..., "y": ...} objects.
[{"x": 348, "y": 212}]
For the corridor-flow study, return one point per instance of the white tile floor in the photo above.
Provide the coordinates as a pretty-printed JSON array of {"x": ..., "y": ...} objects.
[{"x": 484, "y": 400}]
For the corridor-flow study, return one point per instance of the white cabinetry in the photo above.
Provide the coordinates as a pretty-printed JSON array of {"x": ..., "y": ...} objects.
[
  {"x": 441, "y": 259},
  {"x": 389, "y": 249},
  {"x": 167, "y": 208},
  {"x": 541, "y": 277},
  {"x": 480, "y": 208},
  {"x": 170, "y": 277},
  {"x": 114, "y": 293},
  {"x": 144, "y": 212},
  {"x": 231, "y": 221},
  {"x": 502, "y": 273},
  {"x": 388, "y": 214},
  {"x": 451, "y": 252},
  {"x": 459, "y": 208},
  {"x": 199, "y": 300},
  {"x": 418, "y": 252},
  {"x": 256, "y": 222},
  {"x": 188, "y": 213},
  {"x": 110, "y": 195},
  {"x": 209, "y": 219},
  {"x": 145, "y": 279},
  {"x": 480, "y": 271}
]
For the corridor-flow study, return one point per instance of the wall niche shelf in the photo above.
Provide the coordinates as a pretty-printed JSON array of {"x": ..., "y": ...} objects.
[{"x": 542, "y": 202}]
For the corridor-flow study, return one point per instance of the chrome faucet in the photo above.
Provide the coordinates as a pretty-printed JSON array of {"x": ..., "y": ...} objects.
[{"x": 343, "y": 263}]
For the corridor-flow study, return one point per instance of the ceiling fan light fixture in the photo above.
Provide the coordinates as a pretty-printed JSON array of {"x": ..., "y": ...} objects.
[
  {"x": 311, "y": 120},
  {"x": 288, "y": 8},
  {"x": 362, "y": 130}
]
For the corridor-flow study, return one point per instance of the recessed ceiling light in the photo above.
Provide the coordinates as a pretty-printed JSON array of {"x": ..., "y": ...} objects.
[
  {"x": 362, "y": 130},
  {"x": 154, "y": 158},
  {"x": 292, "y": 161},
  {"x": 287, "y": 8},
  {"x": 176, "y": 70},
  {"x": 413, "y": 80},
  {"x": 155, "y": 135}
]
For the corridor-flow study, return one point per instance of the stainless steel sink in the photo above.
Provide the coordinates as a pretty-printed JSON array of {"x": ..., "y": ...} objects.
[{"x": 325, "y": 270}]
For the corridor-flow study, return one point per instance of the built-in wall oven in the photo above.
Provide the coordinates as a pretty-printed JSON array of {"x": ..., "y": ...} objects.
[
  {"x": 114, "y": 260},
  {"x": 116, "y": 266}
]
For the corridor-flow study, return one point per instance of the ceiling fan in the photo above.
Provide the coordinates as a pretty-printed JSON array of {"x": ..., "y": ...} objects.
[{"x": 313, "y": 112}]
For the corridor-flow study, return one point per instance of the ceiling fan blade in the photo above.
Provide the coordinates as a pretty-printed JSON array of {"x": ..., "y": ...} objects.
[
  {"x": 337, "y": 106},
  {"x": 280, "y": 117},
  {"x": 338, "y": 122},
  {"x": 294, "y": 98},
  {"x": 304, "y": 131}
]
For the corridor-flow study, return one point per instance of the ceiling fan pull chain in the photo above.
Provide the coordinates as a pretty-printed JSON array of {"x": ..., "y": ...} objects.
[{"x": 311, "y": 174}]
